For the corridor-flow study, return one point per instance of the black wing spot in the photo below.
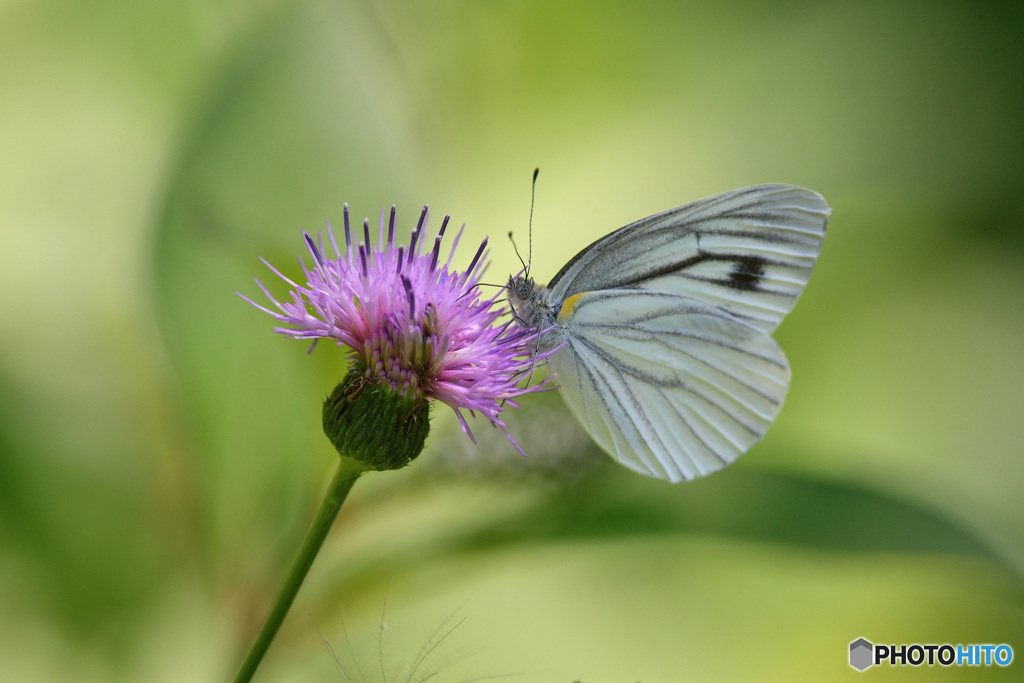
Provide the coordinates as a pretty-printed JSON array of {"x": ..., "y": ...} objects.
[{"x": 747, "y": 273}]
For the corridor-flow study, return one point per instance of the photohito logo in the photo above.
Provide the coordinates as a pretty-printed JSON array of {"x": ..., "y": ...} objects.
[{"x": 863, "y": 654}]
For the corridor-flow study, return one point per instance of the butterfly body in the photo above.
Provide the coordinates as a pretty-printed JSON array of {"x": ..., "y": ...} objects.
[
  {"x": 532, "y": 310},
  {"x": 659, "y": 332}
]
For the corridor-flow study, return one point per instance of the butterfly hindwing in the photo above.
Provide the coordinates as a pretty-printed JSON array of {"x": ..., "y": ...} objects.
[{"x": 668, "y": 385}]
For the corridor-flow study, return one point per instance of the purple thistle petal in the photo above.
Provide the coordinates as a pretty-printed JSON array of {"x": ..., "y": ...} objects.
[
  {"x": 411, "y": 295},
  {"x": 276, "y": 272},
  {"x": 435, "y": 253},
  {"x": 476, "y": 258},
  {"x": 248, "y": 300},
  {"x": 422, "y": 221},
  {"x": 458, "y": 238},
  {"x": 465, "y": 425},
  {"x": 330, "y": 234},
  {"x": 348, "y": 233},
  {"x": 313, "y": 250},
  {"x": 380, "y": 230}
]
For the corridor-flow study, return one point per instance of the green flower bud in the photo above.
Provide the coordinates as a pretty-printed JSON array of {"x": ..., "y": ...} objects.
[{"x": 377, "y": 426}]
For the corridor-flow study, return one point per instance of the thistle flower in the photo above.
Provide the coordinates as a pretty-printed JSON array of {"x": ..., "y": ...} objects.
[{"x": 417, "y": 330}]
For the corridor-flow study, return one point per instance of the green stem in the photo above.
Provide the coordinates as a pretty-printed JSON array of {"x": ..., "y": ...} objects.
[{"x": 348, "y": 471}]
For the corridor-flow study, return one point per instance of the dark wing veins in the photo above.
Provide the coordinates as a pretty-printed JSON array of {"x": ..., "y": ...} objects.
[{"x": 746, "y": 275}]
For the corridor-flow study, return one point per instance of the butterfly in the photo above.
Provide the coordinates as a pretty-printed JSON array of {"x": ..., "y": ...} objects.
[{"x": 659, "y": 334}]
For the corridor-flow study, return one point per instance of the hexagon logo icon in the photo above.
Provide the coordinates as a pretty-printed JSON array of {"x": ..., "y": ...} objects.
[{"x": 861, "y": 654}]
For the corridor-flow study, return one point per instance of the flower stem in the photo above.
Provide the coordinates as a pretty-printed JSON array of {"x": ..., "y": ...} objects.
[{"x": 348, "y": 471}]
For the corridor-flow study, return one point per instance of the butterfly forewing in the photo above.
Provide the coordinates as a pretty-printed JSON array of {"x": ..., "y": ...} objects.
[
  {"x": 669, "y": 386},
  {"x": 749, "y": 252}
]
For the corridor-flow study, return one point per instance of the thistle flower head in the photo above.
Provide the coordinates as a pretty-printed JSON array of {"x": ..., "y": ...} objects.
[{"x": 415, "y": 327}]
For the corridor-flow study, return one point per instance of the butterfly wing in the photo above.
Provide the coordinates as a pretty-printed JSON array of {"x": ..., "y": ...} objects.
[
  {"x": 666, "y": 384},
  {"x": 749, "y": 252}
]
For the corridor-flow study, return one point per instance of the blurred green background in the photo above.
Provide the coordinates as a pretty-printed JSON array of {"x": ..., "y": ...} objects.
[{"x": 160, "y": 447}]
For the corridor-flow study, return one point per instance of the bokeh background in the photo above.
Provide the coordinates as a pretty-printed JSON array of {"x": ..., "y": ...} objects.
[{"x": 160, "y": 448}]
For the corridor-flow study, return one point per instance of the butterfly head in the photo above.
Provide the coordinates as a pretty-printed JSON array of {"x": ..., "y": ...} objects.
[
  {"x": 520, "y": 289},
  {"x": 528, "y": 301}
]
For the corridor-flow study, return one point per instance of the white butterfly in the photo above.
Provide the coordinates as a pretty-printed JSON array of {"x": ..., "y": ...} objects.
[{"x": 660, "y": 330}]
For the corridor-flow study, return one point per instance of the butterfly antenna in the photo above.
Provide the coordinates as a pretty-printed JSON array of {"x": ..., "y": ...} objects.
[
  {"x": 533, "y": 196},
  {"x": 526, "y": 268},
  {"x": 529, "y": 254}
]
